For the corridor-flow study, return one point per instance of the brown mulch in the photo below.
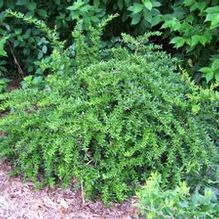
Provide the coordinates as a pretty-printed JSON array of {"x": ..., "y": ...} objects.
[{"x": 21, "y": 200}]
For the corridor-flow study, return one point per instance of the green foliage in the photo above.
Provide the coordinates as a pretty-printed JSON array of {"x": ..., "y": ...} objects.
[
  {"x": 2, "y": 62},
  {"x": 26, "y": 41},
  {"x": 3, "y": 81},
  {"x": 156, "y": 203},
  {"x": 212, "y": 71},
  {"x": 51, "y": 34},
  {"x": 59, "y": 63},
  {"x": 144, "y": 13},
  {"x": 193, "y": 26},
  {"x": 2, "y": 44},
  {"x": 88, "y": 48},
  {"x": 31, "y": 81},
  {"x": 111, "y": 121},
  {"x": 3, "y": 84},
  {"x": 88, "y": 14}
]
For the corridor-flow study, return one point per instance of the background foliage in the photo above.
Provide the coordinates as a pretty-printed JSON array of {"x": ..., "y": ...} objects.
[{"x": 191, "y": 26}]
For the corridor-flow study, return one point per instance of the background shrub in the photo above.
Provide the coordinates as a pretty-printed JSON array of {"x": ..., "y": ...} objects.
[
  {"x": 111, "y": 121},
  {"x": 27, "y": 43},
  {"x": 191, "y": 26}
]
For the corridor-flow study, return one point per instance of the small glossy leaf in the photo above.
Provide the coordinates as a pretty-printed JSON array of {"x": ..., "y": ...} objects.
[
  {"x": 156, "y": 20},
  {"x": 136, "y": 8},
  {"x": 196, "y": 39},
  {"x": 178, "y": 42},
  {"x": 173, "y": 24},
  {"x": 198, "y": 6},
  {"x": 148, "y": 16},
  {"x": 188, "y": 2},
  {"x": 31, "y": 6},
  {"x": 209, "y": 76},
  {"x": 205, "y": 70},
  {"x": 136, "y": 19},
  {"x": 215, "y": 64},
  {"x": 212, "y": 10},
  {"x": 156, "y": 3},
  {"x": 147, "y": 4},
  {"x": 42, "y": 13},
  {"x": 213, "y": 16}
]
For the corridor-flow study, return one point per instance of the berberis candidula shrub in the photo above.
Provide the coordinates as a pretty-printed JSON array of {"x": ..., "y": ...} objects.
[{"x": 122, "y": 114}]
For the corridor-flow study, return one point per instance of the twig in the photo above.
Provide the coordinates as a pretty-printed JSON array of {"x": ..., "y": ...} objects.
[
  {"x": 82, "y": 193},
  {"x": 16, "y": 61}
]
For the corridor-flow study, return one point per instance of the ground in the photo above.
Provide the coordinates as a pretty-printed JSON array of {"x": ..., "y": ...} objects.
[{"x": 20, "y": 200}]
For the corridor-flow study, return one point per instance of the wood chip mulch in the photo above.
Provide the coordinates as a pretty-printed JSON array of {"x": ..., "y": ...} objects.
[{"x": 20, "y": 200}]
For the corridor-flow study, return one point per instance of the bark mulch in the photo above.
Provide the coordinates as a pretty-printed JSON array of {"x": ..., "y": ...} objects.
[{"x": 21, "y": 200}]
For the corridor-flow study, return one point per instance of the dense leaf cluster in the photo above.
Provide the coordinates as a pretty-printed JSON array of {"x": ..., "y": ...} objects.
[{"x": 111, "y": 122}]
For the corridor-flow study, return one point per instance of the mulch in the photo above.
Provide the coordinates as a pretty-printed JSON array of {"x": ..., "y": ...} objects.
[{"x": 21, "y": 200}]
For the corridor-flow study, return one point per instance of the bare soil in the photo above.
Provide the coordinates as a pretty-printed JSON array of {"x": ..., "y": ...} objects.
[{"x": 21, "y": 200}]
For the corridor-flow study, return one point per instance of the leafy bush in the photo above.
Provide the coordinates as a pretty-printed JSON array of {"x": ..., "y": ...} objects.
[
  {"x": 190, "y": 25},
  {"x": 109, "y": 118},
  {"x": 155, "y": 203},
  {"x": 193, "y": 26},
  {"x": 27, "y": 43}
]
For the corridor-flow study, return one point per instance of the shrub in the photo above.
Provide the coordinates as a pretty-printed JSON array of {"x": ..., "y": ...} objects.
[
  {"x": 27, "y": 43},
  {"x": 155, "y": 203},
  {"x": 191, "y": 26},
  {"x": 109, "y": 119}
]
